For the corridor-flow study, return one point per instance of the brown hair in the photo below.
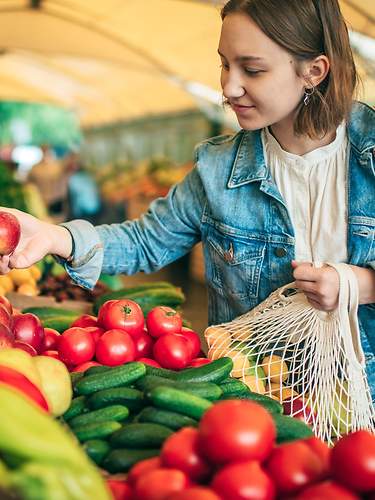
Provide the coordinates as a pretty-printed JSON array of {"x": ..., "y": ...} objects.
[{"x": 307, "y": 29}]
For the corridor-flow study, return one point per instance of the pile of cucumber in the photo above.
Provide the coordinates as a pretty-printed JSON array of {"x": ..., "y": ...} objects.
[{"x": 124, "y": 414}]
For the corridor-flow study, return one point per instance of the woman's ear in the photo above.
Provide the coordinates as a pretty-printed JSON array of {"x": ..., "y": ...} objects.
[{"x": 316, "y": 70}]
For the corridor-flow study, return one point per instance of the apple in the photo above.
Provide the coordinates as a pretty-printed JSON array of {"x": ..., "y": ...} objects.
[
  {"x": 10, "y": 233},
  {"x": 6, "y": 337},
  {"x": 18, "y": 344},
  {"x": 28, "y": 328}
]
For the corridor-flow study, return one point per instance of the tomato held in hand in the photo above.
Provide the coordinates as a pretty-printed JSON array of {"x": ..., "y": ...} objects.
[
  {"x": 172, "y": 351},
  {"x": 193, "y": 338},
  {"x": 76, "y": 346},
  {"x": 124, "y": 314},
  {"x": 162, "y": 320},
  {"x": 115, "y": 347},
  {"x": 236, "y": 430},
  {"x": 328, "y": 490},
  {"x": 157, "y": 484}
]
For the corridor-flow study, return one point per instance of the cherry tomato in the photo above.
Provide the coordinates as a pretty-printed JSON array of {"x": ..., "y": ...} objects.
[
  {"x": 120, "y": 489},
  {"x": 95, "y": 331},
  {"x": 353, "y": 461},
  {"x": 194, "y": 340},
  {"x": 158, "y": 483},
  {"x": 85, "y": 366},
  {"x": 85, "y": 320},
  {"x": 76, "y": 346},
  {"x": 180, "y": 451},
  {"x": 321, "y": 449},
  {"x": 242, "y": 480},
  {"x": 194, "y": 363},
  {"x": 172, "y": 351},
  {"x": 143, "y": 344},
  {"x": 28, "y": 328},
  {"x": 52, "y": 354},
  {"x": 5, "y": 316},
  {"x": 51, "y": 340},
  {"x": 293, "y": 466},
  {"x": 18, "y": 344},
  {"x": 5, "y": 302},
  {"x": 124, "y": 314},
  {"x": 194, "y": 493},
  {"x": 142, "y": 467},
  {"x": 236, "y": 430},
  {"x": 328, "y": 490},
  {"x": 162, "y": 320},
  {"x": 149, "y": 361},
  {"x": 115, "y": 347}
]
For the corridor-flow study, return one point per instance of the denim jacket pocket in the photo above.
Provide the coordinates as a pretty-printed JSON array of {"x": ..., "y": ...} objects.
[{"x": 362, "y": 240}]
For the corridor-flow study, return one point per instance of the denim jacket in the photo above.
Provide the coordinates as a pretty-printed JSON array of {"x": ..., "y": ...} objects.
[{"x": 230, "y": 202}]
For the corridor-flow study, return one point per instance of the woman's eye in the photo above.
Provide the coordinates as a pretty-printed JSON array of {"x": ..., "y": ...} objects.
[
  {"x": 252, "y": 72},
  {"x": 224, "y": 66}
]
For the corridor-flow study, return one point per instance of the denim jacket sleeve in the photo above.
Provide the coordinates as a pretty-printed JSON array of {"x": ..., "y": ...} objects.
[{"x": 164, "y": 233}]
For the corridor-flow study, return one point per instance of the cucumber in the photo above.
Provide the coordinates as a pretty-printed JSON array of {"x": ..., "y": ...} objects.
[
  {"x": 97, "y": 369},
  {"x": 179, "y": 401},
  {"x": 59, "y": 323},
  {"x": 161, "y": 372},
  {"x": 233, "y": 387},
  {"x": 211, "y": 372},
  {"x": 49, "y": 312},
  {"x": 116, "y": 377},
  {"x": 77, "y": 407},
  {"x": 75, "y": 376},
  {"x": 140, "y": 435},
  {"x": 271, "y": 405},
  {"x": 117, "y": 413},
  {"x": 122, "y": 460},
  {"x": 97, "y": 449},
  {"x": 206, "y": 390},
  {"x": 290, "y": 429},
  {"x": 131, "y": 398},
  {"x": 96, "y": 430},
  {"x": 170, "y": 419}
]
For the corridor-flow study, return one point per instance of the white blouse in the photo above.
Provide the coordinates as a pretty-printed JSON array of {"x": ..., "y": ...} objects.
[{"x": 313, "y": 187}]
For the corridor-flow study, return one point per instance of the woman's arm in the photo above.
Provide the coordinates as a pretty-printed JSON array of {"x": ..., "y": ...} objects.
[{"x": 366, "y": 284}]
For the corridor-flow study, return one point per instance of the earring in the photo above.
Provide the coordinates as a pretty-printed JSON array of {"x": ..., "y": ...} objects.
[{"x": 308, "y": 93}]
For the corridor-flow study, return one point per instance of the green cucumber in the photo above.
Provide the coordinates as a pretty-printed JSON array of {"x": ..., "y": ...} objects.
[
  {"x": 211, "y": 372},
  {"x": 75, "y": 376},
  {"x": 179, "y": 401},
  {"x": 77, "y": 407},
  {"x": 97, "y": 450},
  {"x": 117, "y": 413},
  {"x": 116, "y": 377},
  {"x": 170, "y": 419},
  {"x": 160, "y": 372},
  {"x": 96, "y": 430},
  {"x": 233, "y": 387},
  {"x": 97, "y": 369},
  {"x": 290, "y": 429},
  {"x": 49, "y": 312},
  {"x": 131, "y": 398},
  {"x": 140, "y": 435},
  {"x": 122, "y": 460},
  {"x": 59, "y": 323},
  {"x": 206, "y": 390},
  {"x": 271, "y": 405}
]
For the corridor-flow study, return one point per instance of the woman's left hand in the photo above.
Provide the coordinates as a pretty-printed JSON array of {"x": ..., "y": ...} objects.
[{"x": 320, "y": 284}]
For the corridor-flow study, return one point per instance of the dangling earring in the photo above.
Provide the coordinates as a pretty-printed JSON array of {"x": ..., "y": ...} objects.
[{"x": 308, "y": 93}]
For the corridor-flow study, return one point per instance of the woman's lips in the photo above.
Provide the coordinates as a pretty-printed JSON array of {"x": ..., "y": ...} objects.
[{"x": 240, "y": 109}]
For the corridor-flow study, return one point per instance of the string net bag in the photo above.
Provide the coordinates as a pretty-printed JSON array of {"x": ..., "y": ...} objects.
[{"x": 310, "y": 360}]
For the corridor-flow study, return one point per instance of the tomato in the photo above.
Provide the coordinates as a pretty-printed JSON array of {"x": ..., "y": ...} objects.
[
  {"x": 194, "y": 493},
  {"x": 84, "y": 321},
  {"x": 51, "y": 340},
  {"x": 28, "y": 328},
  {"x": 18, "y": 344},
  {"x": 149, "y": 361},
  {"x": 328, "y": 490},
  {"x": 5, "y": 302},
  {"x": 5, "y": 316},
  {"x": 85, "y": 366},
  {"x": 115, "y": 347},
  {"x": 180, "y": 451},
  {"x": 353, "y": 461},
  {"x": 293, "y": 466},
  {"x": 142, "y": 467},
  {"x": 172, "y": 351},
  {"x": 76, "y": 346},
  {"x": 51, "y": 354},
  {"x": 321, "y": 449},
  {"x": 194, "y": 340},
  {"x": 194, "y": 363},
  {"x": 162, "y": 320},
  {"x": 6, "y": 337},
  {"x": 243, "y": 480},
  {"x": 124, "y": 314},
  {"x": 95, "y": 331},
  {"x": 236, "y": 430},
  {"x": 143, "y": 344},
  {"x": 120, "y": 489},
  {"x": 158, "y": 483}
]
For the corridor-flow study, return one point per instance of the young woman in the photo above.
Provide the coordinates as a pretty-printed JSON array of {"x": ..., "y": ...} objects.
[{"x": 295, "y": 186}]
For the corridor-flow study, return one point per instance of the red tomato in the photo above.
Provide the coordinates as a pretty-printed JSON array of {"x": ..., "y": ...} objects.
[
  {"x": 194, "y": 363},
  {"x": 293, "y": 466},
  {"x": 85, "y": 366},
  {"x": 239, "y": 481},
  {"x": 172, "y": 351},
  {"x": 142, "y": 467},
  {"x": 194, "y": 340},
  {"x": 149, "y": 361},
  {"x": 84, "y": 321},
  {"x": 180, "y": 451},
  {"x": 124, "y": 314},
  {"x": 162, "y": 320},
  {"x": 18, "y": 344},
  {"x": 353, "y": 461},
  {"x": 120, "y": 489},
  {"x": 28, "y": 328},
  {"x": 194, "y": 493},
  {"x": 51, "y": 340},
  {"x": 143, "y": 344},
  {"x": 51, "y": 354},
  {"x": 299, "y": 410},
  {"x": 76, "y": 346},
  {"x": 236, "y": 430},
  {"x": 5, "y": 316},
  {"x": 321, "y": 449},
  {"x": 328, "y": 490},
  {"x": 158, "y": 483},
  {"x": 5, "y": 302},
  {"x": 115, "y": 347},
  {"x": 95, "y": 331}
]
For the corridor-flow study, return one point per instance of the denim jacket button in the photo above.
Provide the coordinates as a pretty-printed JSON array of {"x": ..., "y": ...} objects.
[{"x": 280, "y": 252}]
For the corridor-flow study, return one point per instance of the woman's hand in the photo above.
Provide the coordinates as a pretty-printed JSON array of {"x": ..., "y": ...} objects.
[{"x": 38, "y": 239}]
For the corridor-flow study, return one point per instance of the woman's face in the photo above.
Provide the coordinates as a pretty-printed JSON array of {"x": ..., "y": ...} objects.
[{"x": 258, "y": 77}]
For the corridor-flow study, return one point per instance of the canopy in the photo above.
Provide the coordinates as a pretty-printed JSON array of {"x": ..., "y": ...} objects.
[{"x": 118, "y": 59}]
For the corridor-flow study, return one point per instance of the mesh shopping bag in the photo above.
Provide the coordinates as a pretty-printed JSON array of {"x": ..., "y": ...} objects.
[{"x": 310, "y": 360}]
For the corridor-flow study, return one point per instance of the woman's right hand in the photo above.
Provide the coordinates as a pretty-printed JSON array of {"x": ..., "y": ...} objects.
[{"x": 38, "y": 238}]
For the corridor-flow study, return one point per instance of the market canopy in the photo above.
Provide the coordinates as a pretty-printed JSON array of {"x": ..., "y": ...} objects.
[{"x": 118, "y": 59}]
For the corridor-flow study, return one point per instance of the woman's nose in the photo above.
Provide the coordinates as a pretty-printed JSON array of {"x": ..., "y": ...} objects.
[{"x": 232, "y": 86}]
